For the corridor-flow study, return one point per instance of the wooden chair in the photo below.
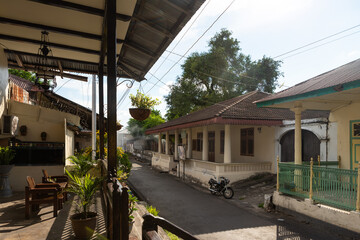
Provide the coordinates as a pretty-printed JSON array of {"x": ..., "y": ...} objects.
[
  {"x": 62, "y": 180},
  {"x": 36, "y": 194}
]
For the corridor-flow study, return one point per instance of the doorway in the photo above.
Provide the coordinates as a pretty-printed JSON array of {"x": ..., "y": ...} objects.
[
  {"x": 310, "y": 145},
  {"x": 211, "y": 146}
]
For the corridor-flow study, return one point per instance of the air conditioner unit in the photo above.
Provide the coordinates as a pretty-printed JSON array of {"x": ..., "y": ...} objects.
[{"x": 10, "y": 124}]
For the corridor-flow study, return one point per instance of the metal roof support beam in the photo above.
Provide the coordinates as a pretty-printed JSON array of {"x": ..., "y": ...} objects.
[
  {"x": 54, "y": 29},
  {"x": 81, "y": 8},
  {"x": 111, "y": 85}
]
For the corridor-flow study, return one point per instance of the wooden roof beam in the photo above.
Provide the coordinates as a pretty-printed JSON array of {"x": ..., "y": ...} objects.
[
  {"x": 51, "y": 44},
  {"x": 18, "y": 60},
  {"x": 81, "y": 8},
  {"x": 53, "y": 29}
]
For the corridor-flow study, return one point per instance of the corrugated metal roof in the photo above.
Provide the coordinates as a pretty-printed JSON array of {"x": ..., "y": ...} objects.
[
  {"x": 344, "y": 74},
  {"x": 75, "y": 32},
  {"x": 238, "y": 108}
]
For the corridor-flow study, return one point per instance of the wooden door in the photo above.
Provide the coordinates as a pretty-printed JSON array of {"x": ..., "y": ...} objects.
[{"x": 211, "y": 146}]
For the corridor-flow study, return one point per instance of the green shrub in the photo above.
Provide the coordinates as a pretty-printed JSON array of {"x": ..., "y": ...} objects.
[
  {"x": 152, "y": 210},
  {"x": 6, "y": 155}
]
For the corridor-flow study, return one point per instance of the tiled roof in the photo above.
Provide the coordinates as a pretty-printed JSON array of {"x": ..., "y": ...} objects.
[
  {"x": 344, "y": 74},
  {"x": 239, "y": 108},
  {"x": 24, "y": 84}
]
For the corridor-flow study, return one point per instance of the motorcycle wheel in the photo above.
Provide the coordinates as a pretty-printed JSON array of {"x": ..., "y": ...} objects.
[{"x": 228, "y": 193}]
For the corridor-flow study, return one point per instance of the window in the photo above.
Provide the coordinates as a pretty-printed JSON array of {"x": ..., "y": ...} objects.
[
  {"x": 199, "y": 142},
  {"x": 247, "y": 142},
  {"x": 222, "y": 141}
]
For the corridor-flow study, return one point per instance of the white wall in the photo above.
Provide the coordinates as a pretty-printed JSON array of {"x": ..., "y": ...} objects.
[{"x": 4, "y": 80}]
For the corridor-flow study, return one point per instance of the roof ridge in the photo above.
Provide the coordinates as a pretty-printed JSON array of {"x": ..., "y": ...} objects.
[{"x": 236, "y": 102}]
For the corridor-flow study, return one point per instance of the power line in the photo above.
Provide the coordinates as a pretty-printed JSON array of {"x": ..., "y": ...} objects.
[
  {"x": 320, "y": 45},
  {"x": 194, "y": 43},
  {"x": 322, "y": 39}
]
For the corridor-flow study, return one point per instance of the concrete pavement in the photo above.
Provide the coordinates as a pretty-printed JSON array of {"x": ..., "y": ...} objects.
[{"x": 211, "y": 217}]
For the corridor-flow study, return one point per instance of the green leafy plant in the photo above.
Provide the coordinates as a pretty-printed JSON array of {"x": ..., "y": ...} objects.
[
  {"x": 141, "y": 100},
  {"x": 123, "y": 161},
  {"x": 132, "y": 200},
  {"x": 152, "y": 210},
  {"x": 6, "y": 155},
  {"x": 83, "y": 163},
  {"x": 85, "y": 188}
]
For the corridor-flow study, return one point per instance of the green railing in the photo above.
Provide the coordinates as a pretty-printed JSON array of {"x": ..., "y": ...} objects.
[
  {"x": 335, "y": 187},
  {"x": 294, "y": 179},
  {"x": 330, "y": 186}
]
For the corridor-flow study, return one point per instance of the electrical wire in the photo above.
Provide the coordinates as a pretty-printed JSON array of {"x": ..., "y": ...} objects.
[
  {"x": 322, "y": 39},
  {"x": 194, "y": 43},
  {"x": 62, "y": 85},
  {"x": 320, "y": 45}
]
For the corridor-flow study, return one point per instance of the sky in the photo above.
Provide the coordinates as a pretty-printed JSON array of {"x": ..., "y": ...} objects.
[{"x": 263, "y": 27}]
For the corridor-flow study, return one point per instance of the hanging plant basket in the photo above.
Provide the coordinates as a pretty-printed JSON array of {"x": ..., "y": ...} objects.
[
  {"x": 139, "y": 114},
  {"x": 118, "y": 126}
]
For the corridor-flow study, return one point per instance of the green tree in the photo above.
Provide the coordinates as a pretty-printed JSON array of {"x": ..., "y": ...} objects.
[
  {"x": 221, "y": 73},
  {"x": 138, "y": 128},
  {"x": 23, "y": 74}
]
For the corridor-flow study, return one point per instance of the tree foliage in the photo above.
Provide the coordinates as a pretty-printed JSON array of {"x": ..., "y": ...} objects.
[
  {"x": 138, "y": 128},
  {"x": 23, "y": 74},
  {"x": 221, "y": 73}
]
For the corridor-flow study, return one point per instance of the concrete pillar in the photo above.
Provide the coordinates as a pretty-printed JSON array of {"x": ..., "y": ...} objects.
[
  {"x": 176, "y": 154},
  {"x": 167, "y": 144},
  {"x": 205, "y": 145},
  {"x": 189, "y": 144},
  {"x": 297, "y": 110},
  {"x": 227, "y": 144},
  {"x": 159, "y": 143}
]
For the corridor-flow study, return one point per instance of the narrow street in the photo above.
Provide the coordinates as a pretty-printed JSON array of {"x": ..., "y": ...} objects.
[{"x": 210, "y": 217}]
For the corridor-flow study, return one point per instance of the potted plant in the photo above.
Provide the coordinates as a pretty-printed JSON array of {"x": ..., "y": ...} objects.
[
  {"x": 143, "y": 105},
  {"x": 6, "y": 156},
  {"x": 85, "y": 187}
]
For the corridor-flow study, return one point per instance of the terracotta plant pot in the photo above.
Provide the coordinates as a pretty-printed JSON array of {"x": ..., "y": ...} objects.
[
  {"x": 83, "y": 228},
  {"x": 139, "y": 114}
]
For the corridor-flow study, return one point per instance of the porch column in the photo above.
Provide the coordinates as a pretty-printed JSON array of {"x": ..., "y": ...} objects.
[
  {"x": 176, "y": 145},
  {"x": 167, "y": 143},
  {"x": 205, "y": 145},
  {"x": 111, "y": 83},
  {"x": 159, "y": 143},
  {"x": 227, "y": 144},
  {"x": 297, "y": 110},
  {"x": 189, "y": 145}
]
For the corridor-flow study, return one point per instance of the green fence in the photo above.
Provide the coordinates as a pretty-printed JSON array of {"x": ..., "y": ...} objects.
[
  {"x": 294, "y": 179},
  {"x": 335, "y": 187},
  {"x": 330, "y": 186}
]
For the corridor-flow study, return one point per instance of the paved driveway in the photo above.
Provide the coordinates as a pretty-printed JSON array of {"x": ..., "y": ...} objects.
[{"x": 210, "y": 217}]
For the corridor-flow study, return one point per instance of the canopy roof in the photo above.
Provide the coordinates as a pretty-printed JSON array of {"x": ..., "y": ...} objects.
[
  {"x": 77, "y": 33},
  {"x": 327, "y": 91},
  {"x": 240, "y": 110}
]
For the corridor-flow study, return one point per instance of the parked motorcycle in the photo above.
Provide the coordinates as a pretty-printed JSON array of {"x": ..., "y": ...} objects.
[{"x": 220, "y": 187}]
